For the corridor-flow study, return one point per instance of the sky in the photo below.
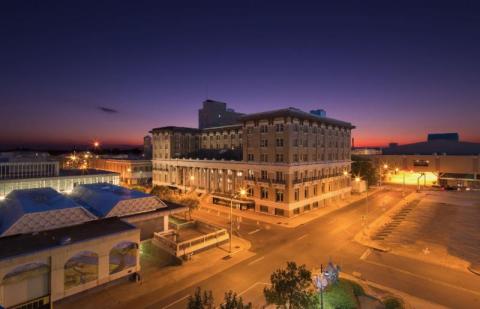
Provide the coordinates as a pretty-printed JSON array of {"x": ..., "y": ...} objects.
[{"x": 72, "y": 72}]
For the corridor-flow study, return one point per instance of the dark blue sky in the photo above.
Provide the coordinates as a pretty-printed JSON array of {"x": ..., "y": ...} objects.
[{"x": 396, "y": 70}]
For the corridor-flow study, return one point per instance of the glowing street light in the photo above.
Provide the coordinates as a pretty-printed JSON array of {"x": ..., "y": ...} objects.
[
  {"x": 345, "y": 173},
  {"x": 96, "y": 144},
  {"x": 385, "y": 166},
  {"x": 357, "y": 179}
]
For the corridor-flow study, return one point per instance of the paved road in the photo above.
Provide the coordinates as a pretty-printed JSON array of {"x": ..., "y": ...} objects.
[{"x": 330, "y": 237}]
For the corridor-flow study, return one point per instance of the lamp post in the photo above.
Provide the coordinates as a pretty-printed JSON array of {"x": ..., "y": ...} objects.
[
  {"x": 191, "y": 179},
  {"x": 241, "y": 193},
  {"x": 357, "y": 179},
  {"x": 385, "y": 167}
]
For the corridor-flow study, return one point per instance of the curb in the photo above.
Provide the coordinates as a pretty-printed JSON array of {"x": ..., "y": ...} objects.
[{"x": 473, "y": 270}]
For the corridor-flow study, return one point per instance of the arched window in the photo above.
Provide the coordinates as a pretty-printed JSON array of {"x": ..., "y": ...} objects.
[
  {"x": 80, "y": 269},
  {"x": 123, "y": 256}
]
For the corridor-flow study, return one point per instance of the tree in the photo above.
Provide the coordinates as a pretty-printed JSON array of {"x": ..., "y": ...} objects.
[
  {"x": 231, "y": 301},
  {"x": 291, "y": 288},
  {"x": 363, "y": 167},
  {"x": 163, "y": 192},
  {"x": 190, "y": 202},
  {"x": 201, "y": 300}
]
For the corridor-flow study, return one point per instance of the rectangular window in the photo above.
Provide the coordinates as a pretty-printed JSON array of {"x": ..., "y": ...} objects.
[
  {"x": 264, "y": 157},
  {"x": 279, "y": 175},
  {"x": 263, "y": 193},
  {"x": 250, "y": 191},
  {"x": 263, "y": 208},
  {"x": 279, "y": 158},
  {"x": 279, "y": 127},
  {"x": 279, "y": 212},
  {"x": 297, "y": 194},
  {"x": 250, "y": 157},
  {"x": 279, "y": 142},
  {"x": 296, "y": 211},
  {"x": 306, "y": 207},
  {"x": 295, "y": 158},
  {"x": 315, "y": 204},
  {"x": 306, "y": 192},
  {"x": 264, "y": 143},
  {"x": 263, "y": 129},
  {"x": 264, "y": 174},
  {"x": 315, "y": 190},
  {"x": 278, "y": 196}
]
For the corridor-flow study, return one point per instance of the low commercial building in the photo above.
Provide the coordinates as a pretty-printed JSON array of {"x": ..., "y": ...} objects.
[
  {"x": 37, "y": 269},
  {"x": 64, "y": 182},
  {"x": 55, "y": 245},
  {"x": 441, "y": 160},
  {"x": 133, "y": 171}
]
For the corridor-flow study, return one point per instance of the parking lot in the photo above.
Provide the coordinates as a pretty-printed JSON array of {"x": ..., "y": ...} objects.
[{"x": 441, "y": 227}]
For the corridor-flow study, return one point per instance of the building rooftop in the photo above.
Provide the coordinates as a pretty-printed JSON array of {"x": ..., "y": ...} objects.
[
  {"x": 31, "y": 203},
  {"x": 101, "y": 199},
  {"x": 22, "y": 244},
  {"x": 439, "y": 147},
  {"x": 83, "y": 172},
  {"x": 295, "y": 112},
  {"x": 226, "y": 127},
  {"x": 175, "y": 129}
]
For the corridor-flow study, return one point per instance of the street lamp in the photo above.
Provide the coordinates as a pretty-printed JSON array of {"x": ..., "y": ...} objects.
[
  {"x": 357, "y": 179},
  {"x": 240, "y": 194}
]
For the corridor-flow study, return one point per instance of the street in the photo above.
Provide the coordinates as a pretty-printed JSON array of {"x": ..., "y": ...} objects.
[{"x": 330, "y": 238}]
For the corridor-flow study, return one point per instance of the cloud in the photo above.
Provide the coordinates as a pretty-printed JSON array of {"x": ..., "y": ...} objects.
[{"x": 107, "y": 110}]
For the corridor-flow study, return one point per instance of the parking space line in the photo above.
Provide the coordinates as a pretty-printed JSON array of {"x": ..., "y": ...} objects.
[
  {"x": 302, "y": 237},
  {"x": 253, "y": 232}
]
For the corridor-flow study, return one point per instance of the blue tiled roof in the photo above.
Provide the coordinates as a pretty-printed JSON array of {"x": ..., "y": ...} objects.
[
  {"x": 101, "y": 198},
  {"x": 20, "y": 202}
]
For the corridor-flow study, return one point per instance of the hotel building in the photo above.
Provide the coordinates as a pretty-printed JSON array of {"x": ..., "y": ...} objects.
[{"x": 288, "y": 160}]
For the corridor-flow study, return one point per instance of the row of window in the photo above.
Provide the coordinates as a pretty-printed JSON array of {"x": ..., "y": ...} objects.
[{"x": 302, "y": 157}]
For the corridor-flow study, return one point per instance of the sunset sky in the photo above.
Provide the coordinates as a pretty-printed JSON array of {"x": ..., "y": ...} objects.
[{"x": 77, "y": 71}]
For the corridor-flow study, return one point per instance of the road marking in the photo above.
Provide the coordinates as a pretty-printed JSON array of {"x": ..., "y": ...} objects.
[
  {"x": 425, "y": 278},
  {"x": 366, "y": 254},
  {"x": 253, "y": 232},
  {"x": 176, "y": 302},
  {"x": 255, "y": 261},
  {"x": 252, "y": 286},
  {"x": 302, "y": 237}
]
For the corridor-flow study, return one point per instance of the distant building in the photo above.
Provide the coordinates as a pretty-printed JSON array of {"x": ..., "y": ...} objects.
[
  {"x": 319, "y": 112},
  {"x": 441, "y": 160},
  {"x": 448, "y": 144},
  {"x": 147, "y": 147},
  {"x": 443, "y": 137},
  {"x": 64, "y": 182},
  {"x": 366, "y": 151},
  {"x": 216, "y": 114},
  {"x": 133, "y": 170},
  {"x": 20, "y": 165}
]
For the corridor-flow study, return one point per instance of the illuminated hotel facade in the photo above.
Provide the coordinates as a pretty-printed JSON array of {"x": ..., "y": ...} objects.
[{"x": 288, "y": 161}]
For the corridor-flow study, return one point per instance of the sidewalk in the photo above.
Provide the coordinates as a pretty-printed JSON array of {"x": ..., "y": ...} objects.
[
  {"x": 364, "y": 237},
  {"x": 283, "y": 221},
  {"x": 158, "y": 285}
]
